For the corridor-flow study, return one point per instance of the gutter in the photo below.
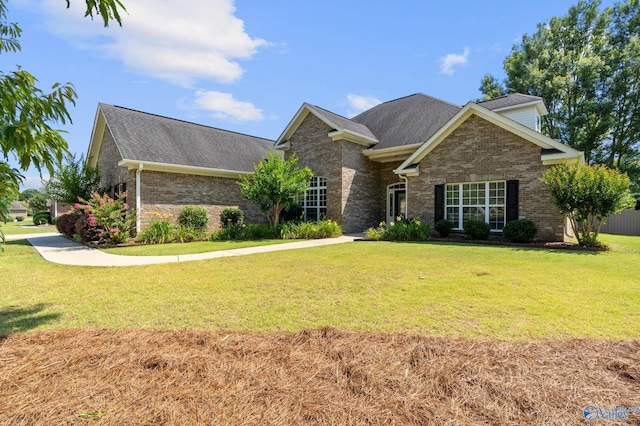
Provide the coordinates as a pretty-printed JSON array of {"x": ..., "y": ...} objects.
[
  {"x": 138, "y": 206},
  {"x": 406, "y": 198}
]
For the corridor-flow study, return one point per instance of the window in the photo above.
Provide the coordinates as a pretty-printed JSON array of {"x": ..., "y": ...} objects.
[
  {"x": 314, "y": 201},
  {"x": 483, "y": 201}
]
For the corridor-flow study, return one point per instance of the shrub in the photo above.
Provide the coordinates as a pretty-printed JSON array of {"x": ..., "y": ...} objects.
[
  {"x": 401, "y": 230},
  {"x": 444, "y": 227},
  {"x": 19, "y": 218},
  {"x": 231, "y": 217},
  {"x": 42, "y": 218},
  {"x": 260, "y": 231},
  {"x": 186, "y": 234},
  {"x": 193, "y": 217},
  {"x": 157, "y": 232},
  {"x": 292, "y": 213},
  {"x": 477, "y": 229},
  {"x": 87, "y": 230},
  {"x": 310, "y": 230},
  {"x": 110, "y": 219},
  {"x": 520, "y": 231},
  {"x": 66, "y": 223}
]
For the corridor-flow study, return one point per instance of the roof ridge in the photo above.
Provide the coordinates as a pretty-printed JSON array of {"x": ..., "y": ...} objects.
[
  {"x": 334, "y": 113},
  {"x": 187, "y": 122}
]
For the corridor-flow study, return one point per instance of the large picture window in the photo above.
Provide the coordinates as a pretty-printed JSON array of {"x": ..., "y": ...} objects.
[
  {"x": 314, "y": 201},
  {"x": 483, "y": 201}
]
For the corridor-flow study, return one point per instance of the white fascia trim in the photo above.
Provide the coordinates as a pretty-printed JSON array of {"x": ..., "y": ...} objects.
[
  {"x": 352, "y": 137},
  {"x": 472, "y": 108},
  {"x": 283, "y": 146},
  {"x": 412, "y": 172},
  {"x": 560, "y": 158},
  {"x": 299, "y": 116},
  {"x": 178, "y": 168},
  {"x": 386, "y": 155},
  {"x": 539, "y": 104},
  {"x": 97, "y": 134}
]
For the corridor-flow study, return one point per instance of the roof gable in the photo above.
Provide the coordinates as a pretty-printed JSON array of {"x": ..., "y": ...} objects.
[
  {"x": 341, "y": 127},
  {"x": 552, "y": 152},
  {"x": 514, "y": 100},
  {"x": 147, "y": 138},
  {"x": 406, "y": 121}
]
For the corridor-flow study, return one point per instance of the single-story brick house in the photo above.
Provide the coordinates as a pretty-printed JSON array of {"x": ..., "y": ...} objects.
[{"x": 415, "y": 156}]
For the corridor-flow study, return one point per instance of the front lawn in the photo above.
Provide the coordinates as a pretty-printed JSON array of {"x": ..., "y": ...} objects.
[
  {"x": 25, "y": 227},
  {"x": 438, "y": 289},
  {"x": 189, "y": 248}
]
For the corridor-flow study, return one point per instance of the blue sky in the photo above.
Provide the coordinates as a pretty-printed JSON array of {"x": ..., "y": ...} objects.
[{"x": 248, "y": 65}]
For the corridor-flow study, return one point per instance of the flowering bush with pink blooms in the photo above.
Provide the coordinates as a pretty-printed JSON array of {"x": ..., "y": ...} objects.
[{"x": 104, "y": 220}]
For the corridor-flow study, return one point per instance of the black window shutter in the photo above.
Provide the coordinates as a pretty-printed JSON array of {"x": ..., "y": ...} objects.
[
  {"x": 512, "y": 200},
  {"x": 439, "y": 207}
]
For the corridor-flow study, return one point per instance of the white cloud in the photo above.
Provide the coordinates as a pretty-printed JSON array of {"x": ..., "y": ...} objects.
[
  {"x": 225, "y": 107},
  {"x": 452, "y": 60},
  {"x": 174, "y": 40},
  {"x": 360, "y": 103},
  {"x": 33, "y": 182}
]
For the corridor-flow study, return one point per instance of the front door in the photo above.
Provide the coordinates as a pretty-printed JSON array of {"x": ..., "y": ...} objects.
[{"x": 396, "y": 202}]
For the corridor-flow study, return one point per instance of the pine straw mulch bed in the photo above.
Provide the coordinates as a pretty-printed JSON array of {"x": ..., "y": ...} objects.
[{"x": 326, "y": 376}]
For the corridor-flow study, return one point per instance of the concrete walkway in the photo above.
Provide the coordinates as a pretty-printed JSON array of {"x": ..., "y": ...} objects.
[{"x": 58, "y": 249}]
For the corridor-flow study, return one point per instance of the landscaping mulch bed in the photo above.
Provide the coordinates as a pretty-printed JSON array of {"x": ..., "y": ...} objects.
[{"x": 117, "y": 377}]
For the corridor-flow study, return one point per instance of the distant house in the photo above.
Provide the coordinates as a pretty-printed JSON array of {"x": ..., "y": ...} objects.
[
  {"x": 18, "y": 208},
  {"x": 416, "y": 156}
]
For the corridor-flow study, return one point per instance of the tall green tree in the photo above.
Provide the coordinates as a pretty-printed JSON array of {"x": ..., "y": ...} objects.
[
  {"x": 73, "y": 180},
  {"x": 587, "y": 195},
  {"x": 586, "y": 67},
  {"x": 27, "y": 112},
  {"x": 275, "y": 184}
]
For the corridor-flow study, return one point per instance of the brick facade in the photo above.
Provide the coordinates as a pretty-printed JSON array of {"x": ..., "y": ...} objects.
[
  {"x": 480, "y": 151},
  {"x": 107, "y": 162},
  {"x": 167, "y": 194},
  {"x": 353, "y": 197}
]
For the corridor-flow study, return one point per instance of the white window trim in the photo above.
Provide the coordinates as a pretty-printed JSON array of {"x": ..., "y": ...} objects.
[
  {"x": 487, "y": 206},
  {"x": 317, "y": 184}
]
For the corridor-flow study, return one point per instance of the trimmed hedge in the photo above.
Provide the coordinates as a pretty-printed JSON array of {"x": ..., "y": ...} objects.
[
  {"x": 477, "y": 229},
  {"x": 520, "y": 231}
]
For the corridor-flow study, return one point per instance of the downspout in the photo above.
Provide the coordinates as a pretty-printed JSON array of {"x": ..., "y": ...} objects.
[
  {"x": 138, "y": 206},
  {"x": 406, "y": 197}
]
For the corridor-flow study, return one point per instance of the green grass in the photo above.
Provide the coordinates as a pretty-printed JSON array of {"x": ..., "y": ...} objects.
[
  {"x": 189, "y": 248},
  {"x": 25, "y": 227},
  {"x": 443, "y": 289}
]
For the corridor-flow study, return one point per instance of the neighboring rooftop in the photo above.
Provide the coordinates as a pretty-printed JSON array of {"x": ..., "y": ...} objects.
[{"x": 141, "y": 136}]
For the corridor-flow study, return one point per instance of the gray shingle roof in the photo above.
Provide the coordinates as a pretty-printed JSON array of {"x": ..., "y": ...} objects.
[
  {"x": 142, "y": 136},
  {"x": 345, "y": 123},
  {"x": 406, "y": 121},
  {"x": 508, "y": 101}
]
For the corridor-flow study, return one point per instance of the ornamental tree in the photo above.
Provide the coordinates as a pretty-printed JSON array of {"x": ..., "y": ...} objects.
[
  {"x": 587, "y": 195},
  {"x": 275, "y": 184},
  {"x": 73, "y": 180}
]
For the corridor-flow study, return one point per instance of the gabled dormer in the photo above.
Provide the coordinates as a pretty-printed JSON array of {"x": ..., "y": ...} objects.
[{"x": 524, "y": 109}]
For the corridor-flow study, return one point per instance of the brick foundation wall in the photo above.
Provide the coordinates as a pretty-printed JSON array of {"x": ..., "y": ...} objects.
[{"x": 481, "y": 151}]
